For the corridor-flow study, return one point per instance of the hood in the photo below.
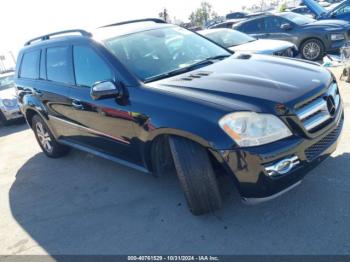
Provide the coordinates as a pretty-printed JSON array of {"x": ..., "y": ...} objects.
[
  {"x": 9, "y": 93},
  {"x": 262, "y": 46},
  {"x": 315, "y": 7},
  {"x": 329, "y": 23},
  {"x": 250, "y": 82}
]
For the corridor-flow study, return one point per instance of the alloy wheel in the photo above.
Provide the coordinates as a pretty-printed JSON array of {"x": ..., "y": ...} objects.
[
  {"x": 44, "y": 137},
  {"x": 311, "y": 50}
]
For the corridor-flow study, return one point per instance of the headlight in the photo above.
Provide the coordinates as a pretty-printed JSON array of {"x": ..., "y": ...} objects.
[
  {"x": 253, "y": 129},
  {"x": 336, "y": 37},
  {"x": 9, "y": 103}
]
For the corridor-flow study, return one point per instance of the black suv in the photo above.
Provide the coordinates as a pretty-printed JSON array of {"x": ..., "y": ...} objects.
[{"x": 152, "y": 95}]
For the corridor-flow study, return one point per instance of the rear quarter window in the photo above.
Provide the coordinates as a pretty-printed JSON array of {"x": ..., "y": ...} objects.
[{"x": 30, "y": 65}]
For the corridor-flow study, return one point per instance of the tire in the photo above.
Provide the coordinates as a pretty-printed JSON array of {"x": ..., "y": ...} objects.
[
  {"x": 3, "y": 121},
  {"x": 196, "y": 176},
  {"x": 312, "y": 49},
  {"x": 46, "y": 140}
]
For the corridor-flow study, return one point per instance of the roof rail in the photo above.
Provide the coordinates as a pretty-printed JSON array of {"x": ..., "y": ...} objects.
[
  {"x": 47, "y": 37},
  {"x": 155, "y": 20}
]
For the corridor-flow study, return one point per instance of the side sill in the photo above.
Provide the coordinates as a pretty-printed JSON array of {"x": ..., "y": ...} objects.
[
  {"x": 103, "y": 155},
  {"x": 255, "y": 201}
]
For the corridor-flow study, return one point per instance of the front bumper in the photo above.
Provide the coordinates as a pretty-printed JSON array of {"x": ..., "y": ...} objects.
[
  {"x": 248, "y": 165},
  {"x": 12, "y": 113}
]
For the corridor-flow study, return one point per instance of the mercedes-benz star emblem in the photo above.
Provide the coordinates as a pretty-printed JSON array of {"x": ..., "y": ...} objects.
[{"x": 331, "y": 105}]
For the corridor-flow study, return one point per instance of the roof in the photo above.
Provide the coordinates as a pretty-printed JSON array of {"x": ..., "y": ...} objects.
[{"x": 104, "y": 32}]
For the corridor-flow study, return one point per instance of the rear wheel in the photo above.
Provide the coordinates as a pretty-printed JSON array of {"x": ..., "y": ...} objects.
[
  {"x": 196, "y": 175},
  {"x": 312, "y": 50},
  {"x": 46, "y": 140}
]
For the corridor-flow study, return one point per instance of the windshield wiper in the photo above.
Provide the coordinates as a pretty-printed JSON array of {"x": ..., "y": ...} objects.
[{"x": 192, "y": 67}]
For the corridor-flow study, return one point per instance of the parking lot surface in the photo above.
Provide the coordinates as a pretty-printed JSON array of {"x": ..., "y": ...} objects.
[{"x": 82, "y": 204}]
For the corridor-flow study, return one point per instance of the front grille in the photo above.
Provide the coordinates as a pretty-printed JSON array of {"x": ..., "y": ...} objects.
[
  {"x": 286, "y": 52},
  {"x": 316, "y": 112},
  {"x": 315, "y": 150}
]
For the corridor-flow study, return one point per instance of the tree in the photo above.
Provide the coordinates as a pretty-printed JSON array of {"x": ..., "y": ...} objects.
[
  {"x": 202, "y": 14},
  {"x": 164, "y": 15}
]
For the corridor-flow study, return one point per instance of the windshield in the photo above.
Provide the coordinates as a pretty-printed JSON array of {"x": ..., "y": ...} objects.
[
  {"x": 7, "y": 82},
  {"x": 159, "y": 51},
  {"x": 229, "y": 37},
  {"x": 297, "y": 18}
]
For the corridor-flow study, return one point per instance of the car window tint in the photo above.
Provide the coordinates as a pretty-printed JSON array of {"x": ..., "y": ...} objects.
[
  {"x": 273, "y": 24},
  {"x": 89, "y": 67},
  {"x": 254, "y": 26},
  {"x": 30, "y": 65},
  {"x": 58, "y": 68}
]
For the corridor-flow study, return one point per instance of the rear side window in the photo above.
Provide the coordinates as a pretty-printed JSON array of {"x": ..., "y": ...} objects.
[
  {"x": 89, "y": 67},
  {"x": 58, "y": 66},
  {"x": 253, "y": 26},
  {"x": 30, "y": 65}
]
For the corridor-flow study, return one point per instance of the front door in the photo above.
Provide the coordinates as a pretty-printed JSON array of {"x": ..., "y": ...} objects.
[
  {"x": 274, "y": 31},
  {"x": 106, "y": 125}
]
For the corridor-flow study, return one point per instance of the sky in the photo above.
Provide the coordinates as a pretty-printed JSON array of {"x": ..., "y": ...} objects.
[{"x": 21, "y": 20}]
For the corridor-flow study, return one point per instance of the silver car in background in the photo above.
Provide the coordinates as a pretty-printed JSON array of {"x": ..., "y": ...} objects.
[
  {"x": 241, "y": 42},
  {"x": 8, "y": 100}
]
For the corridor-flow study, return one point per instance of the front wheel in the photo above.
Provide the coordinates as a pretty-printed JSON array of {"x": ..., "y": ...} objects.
[
  {"x": 312, "y": 50},
  {"x": 46, "y": 140},
  {"x": 196, "y": 176}
]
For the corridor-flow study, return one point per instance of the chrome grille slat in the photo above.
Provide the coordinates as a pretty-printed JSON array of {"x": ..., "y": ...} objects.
[
  {"x": 316, "y": 112},
  {"x": 312, "y": 108},
  {"x": 316, "y": 120}
]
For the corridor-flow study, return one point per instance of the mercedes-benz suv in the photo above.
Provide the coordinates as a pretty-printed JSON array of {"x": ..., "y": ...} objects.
[{"x": 153, "y": 96}]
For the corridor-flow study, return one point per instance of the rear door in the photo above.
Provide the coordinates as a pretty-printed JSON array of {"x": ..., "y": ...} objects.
[
  {"x": 46, "y": 88},
  {"x": 56, "y": 72},
  {"x": 106, "y": 125},
  {"x": 255, "y": 28}
]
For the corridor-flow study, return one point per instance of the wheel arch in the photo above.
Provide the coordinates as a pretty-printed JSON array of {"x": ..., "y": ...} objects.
[
  {"x": 159, "y": 135},
  {"x": 311, "y": 38}
]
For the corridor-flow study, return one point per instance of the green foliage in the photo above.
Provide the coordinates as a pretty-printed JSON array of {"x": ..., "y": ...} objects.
[{"x": 202, "y": 14}]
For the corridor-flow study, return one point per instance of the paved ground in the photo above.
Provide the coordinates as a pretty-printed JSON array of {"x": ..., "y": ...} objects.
[{"x": 82, "y": 204}]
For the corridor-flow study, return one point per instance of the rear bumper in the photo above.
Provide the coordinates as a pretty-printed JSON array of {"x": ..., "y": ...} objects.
[{"x": 249, "y": 166}]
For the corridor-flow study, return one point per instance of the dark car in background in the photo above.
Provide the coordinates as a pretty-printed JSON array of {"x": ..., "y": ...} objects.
[
  {"x": 340, "y": 11},
  {"x": 225, "y": 24},
  {"x": 228, "y": 23},
  {"x": 155, "y": 96},
  {"x": 313, "y": 38},
  {"x": 236, "y": 15},
  {"x": 240, "y": 42}
]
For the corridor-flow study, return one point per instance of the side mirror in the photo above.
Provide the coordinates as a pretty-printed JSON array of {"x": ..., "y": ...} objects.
[
  {"x": 286, "y": 26},
  {"x": 105, "y": 89}
]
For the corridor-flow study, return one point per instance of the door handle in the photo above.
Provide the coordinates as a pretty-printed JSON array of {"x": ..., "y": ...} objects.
[{"x": 77, "y": 105}]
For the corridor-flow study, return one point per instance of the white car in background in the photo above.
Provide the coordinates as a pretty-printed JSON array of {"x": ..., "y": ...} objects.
[
  {"x": 9, "y": 108},
  {"x": 241, "y": 42}
]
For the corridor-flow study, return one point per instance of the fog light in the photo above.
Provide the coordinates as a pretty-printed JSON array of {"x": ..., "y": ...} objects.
[{"x": 282, "y": 167}]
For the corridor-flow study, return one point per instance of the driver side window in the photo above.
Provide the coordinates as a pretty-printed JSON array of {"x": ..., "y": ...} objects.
[
  {"x": 273, "y": 24},
  {"x": 89, "y": 67}
]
